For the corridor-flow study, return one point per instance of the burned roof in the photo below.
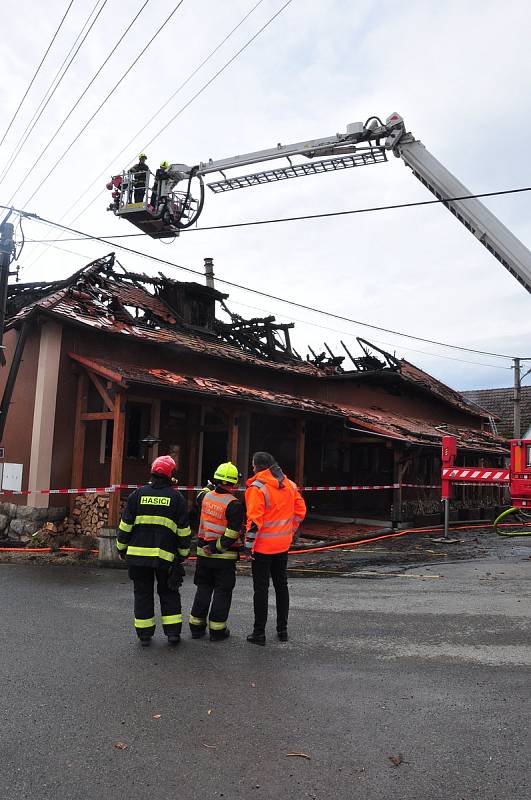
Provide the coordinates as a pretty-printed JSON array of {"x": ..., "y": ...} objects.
[
  {"x": 158, "y": 310},
  {"x": 378, "y": 422}
]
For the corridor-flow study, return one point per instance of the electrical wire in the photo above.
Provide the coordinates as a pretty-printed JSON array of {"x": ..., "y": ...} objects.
[
  {"x": 51, "y": 88},
  {"x": 83, "y": 93},
  {"x": 14, "y": 155},
  {"x": 36, "y": 72},
  {"x": 202, "y": 89},
  {"x": 322, "y": 215},
  {"x": 375, "y": 341},
  {"x": 222, "y": 69},
  {"x": 161, "y": 108},
  {"x": 85, "y": 126},
  {"x": 262, "y": 293}
]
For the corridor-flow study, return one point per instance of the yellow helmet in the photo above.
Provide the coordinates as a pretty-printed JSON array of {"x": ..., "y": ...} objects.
[
  {"x": 164, "y": 164},
  {"x": 142, "y": 156},
  {"x": 227, "y": 473}
]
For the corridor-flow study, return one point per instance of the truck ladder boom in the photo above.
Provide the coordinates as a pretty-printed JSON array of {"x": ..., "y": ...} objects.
[{"x": 485, "y": 226}]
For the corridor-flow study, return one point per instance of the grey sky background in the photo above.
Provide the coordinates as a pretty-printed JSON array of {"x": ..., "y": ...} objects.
[{"x": 459, "y": 73}]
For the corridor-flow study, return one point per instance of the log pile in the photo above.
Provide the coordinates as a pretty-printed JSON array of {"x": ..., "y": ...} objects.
[{"x": 89, "y": 514}]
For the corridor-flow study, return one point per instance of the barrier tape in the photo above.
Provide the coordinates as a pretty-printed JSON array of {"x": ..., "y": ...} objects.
[{"x": 119, "y": 486}]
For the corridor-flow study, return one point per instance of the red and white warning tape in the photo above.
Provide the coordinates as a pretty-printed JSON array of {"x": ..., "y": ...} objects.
[{"x": 119, "y": 486}]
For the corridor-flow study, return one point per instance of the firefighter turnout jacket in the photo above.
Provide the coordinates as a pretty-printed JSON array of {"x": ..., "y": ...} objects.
[
  {"x": 275, "y": 509},
  {"x": 154, "y": 528},
  {"x": 220, "y": 525}
]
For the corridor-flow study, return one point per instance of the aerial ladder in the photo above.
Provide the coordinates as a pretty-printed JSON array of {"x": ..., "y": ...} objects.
[{"x": 168, "y": 206}]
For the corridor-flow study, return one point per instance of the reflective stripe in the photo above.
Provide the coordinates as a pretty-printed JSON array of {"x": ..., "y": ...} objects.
[
  {"x": 197, "y": 620},
  {"x": 184, "y": 552},
  {"x": 125, "y": 527},
  {"x": 213, "y": 527},
  {"x": 230, "y": 534},
  {"x": 184, "y": 531},
  {"x": 275, "y": 535},
  {"x": 150, "y": 552},
  {"x": 145, "y": 519},
  {"x": 277, "y": 523},
  {"x": 145, "y": 623},
  {"x": 222, "y": 499},
  {"x": 262, "y": 488},
  {"x": 121, "y": 545},
  {"x": 172, "y": 619},
  {"x": 218, "y": 546},
  {"x": 217, "y": 626},
  {"x": 229, "y": 554}
]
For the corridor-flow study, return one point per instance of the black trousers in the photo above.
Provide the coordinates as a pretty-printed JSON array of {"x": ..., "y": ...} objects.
[
  {"x": 215, "y": 579},
  {"x": 275, "y": 566},
  {"x": 170, "y": 601}
]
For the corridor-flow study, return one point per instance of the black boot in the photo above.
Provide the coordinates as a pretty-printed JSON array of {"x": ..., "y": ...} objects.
[
  {"x": 282, "y": 635},
  {"x": 257, "y": 638},
  {"x": 218, "y": 636},
  {"x": 197, "y": 633},
  {"x": 174, "y": 638},
  {"x": 145, "y": 642}
]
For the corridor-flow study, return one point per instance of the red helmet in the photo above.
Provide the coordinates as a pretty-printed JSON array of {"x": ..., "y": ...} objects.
[{"x": 163, "y": 465}]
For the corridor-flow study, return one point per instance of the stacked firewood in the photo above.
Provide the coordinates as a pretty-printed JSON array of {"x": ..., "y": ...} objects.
[{"x": 88, "y": 516}]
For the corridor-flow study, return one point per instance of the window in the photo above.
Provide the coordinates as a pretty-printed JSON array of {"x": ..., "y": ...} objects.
[{"x": 137, "y": 422}]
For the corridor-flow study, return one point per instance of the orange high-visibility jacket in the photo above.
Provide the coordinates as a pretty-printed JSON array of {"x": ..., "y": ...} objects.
[
  {"x": 214, "y": 527},
  {"x": 275, "y": 506}
]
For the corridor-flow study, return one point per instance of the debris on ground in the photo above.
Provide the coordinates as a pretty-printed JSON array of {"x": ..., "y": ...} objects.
[{"x": 298, "y": 755}]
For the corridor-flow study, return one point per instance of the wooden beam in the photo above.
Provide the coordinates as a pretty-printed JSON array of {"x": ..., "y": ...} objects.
[
  {"x": 102, "y": 391},
  {"x": 97, "y": 416},
  {"x": 193, "y": 424},
  {"x": 78, "y": 451},
  {"x": 300, "y": 447},
  {"x": 233, "y": 437},
  {"x": 118, "y": 441},
  {"x": 399, "y": 468}
]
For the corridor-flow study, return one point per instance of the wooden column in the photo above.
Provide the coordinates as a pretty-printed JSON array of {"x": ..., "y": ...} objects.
[
  {"x": 398, "y": 472},
  {"x": 78, "y": 452},
  {"x": 233, "y": 437},
  {"x": 300, "y": 446},
  {"x": 118, "y": 437},
  {"x": 194, "y": 423}
]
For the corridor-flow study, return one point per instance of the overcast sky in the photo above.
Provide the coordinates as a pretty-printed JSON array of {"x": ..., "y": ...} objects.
[{"x": 458, "y": 72}]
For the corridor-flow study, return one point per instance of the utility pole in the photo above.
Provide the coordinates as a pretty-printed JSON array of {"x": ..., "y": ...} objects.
[
  {"x": 7, "y": 248},
  {"x": 517, "y": 396}
]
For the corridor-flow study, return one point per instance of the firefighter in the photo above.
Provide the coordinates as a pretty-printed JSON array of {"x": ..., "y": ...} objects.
[
  {"x": 140, "y": 178},
  {"x": 220, "y": 525},
  {"x": 275, "y": 509},
  {"x": 159, "y": 189},
  {"x": 154, "y": 536}
]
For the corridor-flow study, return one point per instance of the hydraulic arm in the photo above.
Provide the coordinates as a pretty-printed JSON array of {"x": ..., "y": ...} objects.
[{"x": 167, "y": 209}]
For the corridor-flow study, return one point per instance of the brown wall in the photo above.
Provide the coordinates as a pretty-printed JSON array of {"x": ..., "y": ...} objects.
[
  {"x": 116, "y": 348},
  {"x": 17, "y": 434}
]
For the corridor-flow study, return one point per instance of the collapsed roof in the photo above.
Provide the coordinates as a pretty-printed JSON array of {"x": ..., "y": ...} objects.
[{"x": 104, "y": 296}]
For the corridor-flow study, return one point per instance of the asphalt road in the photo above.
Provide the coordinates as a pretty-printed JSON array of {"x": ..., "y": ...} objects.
[{"x": 434, "y": 671}]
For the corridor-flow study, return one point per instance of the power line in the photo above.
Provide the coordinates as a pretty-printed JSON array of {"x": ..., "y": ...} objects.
[
  {"x": 37, "y": 71},
  {"x": 51, "y": 88},
  {"x": 83, "y": 93},
  {"x": 322, "y": 215},
  {"x": 376, "y": 341},
  {"x": 33, "y": 123},
  {"x": 85, "y": 126},
  {"x": 161, "y": 108},
  {"x": 189, "y": 102},
  {"x": 261, "y": 293},
  {"x": 222, "y": 69}
]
